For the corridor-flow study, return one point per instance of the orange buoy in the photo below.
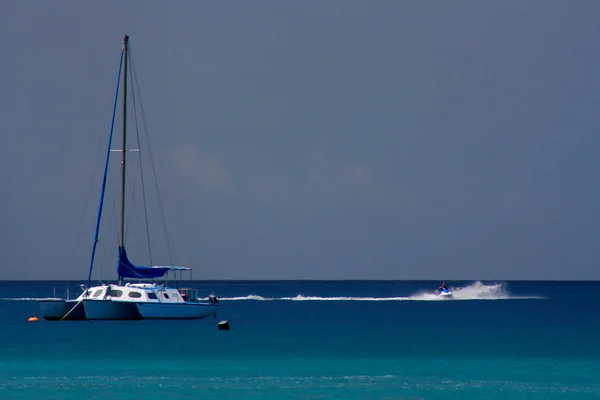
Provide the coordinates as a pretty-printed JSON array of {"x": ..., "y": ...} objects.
[{"x": 33, "y": 318}]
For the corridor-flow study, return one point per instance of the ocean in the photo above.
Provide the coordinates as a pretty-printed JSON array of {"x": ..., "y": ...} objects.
[{"x": 316, "y": 340}]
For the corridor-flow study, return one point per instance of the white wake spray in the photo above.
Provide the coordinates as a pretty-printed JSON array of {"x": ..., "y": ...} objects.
[
  {"x": 474, "y": 291},
  {"x": 28, "y": 298}
]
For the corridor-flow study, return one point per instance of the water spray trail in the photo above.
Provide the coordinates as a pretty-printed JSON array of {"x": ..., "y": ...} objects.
[{"x": 474, "y": 291}]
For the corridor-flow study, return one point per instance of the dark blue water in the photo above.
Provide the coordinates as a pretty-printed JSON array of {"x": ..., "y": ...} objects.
[{"x": 306, "y": 340}]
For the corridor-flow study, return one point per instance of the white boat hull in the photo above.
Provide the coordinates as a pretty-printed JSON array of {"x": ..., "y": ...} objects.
[
  {"x": 131, "y": 302},
  {"x": 110, "y": 310},
  {"x": 176, "y": 310},
  {"x": 60, "y": 309}
]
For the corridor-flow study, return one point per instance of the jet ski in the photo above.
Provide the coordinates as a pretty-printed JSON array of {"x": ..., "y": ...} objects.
[{"x": 445, "y": 293}]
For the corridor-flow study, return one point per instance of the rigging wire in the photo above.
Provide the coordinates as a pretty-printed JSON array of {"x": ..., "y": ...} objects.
[
  {"x": 145, "y": 128},
  {"x": 95, "y": 167},
  {"x": 106, "y": 165},
  {"x": 137, "y": 132}
]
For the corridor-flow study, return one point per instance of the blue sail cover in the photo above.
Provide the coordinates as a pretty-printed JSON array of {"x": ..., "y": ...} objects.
[{"x": 125, "y": 269}]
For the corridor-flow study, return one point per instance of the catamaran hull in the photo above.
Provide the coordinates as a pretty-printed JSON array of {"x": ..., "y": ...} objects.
[
  {"x": 176, "y": 310},
  {"x": 110, "y": 310},
  {"x": 59, "y": 309}
]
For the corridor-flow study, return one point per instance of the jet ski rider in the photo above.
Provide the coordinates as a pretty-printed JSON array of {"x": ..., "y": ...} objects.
[{"x": 442, "y": 287}]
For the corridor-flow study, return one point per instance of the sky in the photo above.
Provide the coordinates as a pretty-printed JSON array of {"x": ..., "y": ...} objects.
[{"x": 308, "y": 140}]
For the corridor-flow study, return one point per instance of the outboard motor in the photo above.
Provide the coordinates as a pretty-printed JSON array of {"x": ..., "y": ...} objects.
[{"x": 212, "y": 299}]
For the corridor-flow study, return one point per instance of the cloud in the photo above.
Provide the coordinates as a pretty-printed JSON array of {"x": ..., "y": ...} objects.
[
  {"x": 346, "y": 181},
  {"x": 195, "y": 166}
]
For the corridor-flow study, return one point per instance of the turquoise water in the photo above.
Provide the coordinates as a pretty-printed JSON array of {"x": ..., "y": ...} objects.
[{"x": 317, "y": 340}]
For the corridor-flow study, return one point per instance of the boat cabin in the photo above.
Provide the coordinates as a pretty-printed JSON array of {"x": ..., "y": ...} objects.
[{"x": 139, "y": 292}]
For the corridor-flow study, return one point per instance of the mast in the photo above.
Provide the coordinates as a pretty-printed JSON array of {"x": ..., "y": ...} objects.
[
  {"x": 124, "y": 145},
  {"x": 123, "y": 148}
]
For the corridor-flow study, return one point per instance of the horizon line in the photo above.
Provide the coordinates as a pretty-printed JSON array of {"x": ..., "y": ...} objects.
[{"x": 320, "y": 280}]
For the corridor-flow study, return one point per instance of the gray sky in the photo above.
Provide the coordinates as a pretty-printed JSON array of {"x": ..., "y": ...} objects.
[{"x": 313, "y": 139}]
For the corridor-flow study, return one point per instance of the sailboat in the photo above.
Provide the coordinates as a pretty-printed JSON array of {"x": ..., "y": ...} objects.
[{"x": 144, "y": 298}]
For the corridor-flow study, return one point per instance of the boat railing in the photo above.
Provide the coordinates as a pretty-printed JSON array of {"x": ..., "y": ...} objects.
[
  {"x": 189, "y": 294},
  {"x": 67, "y": 291}
]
